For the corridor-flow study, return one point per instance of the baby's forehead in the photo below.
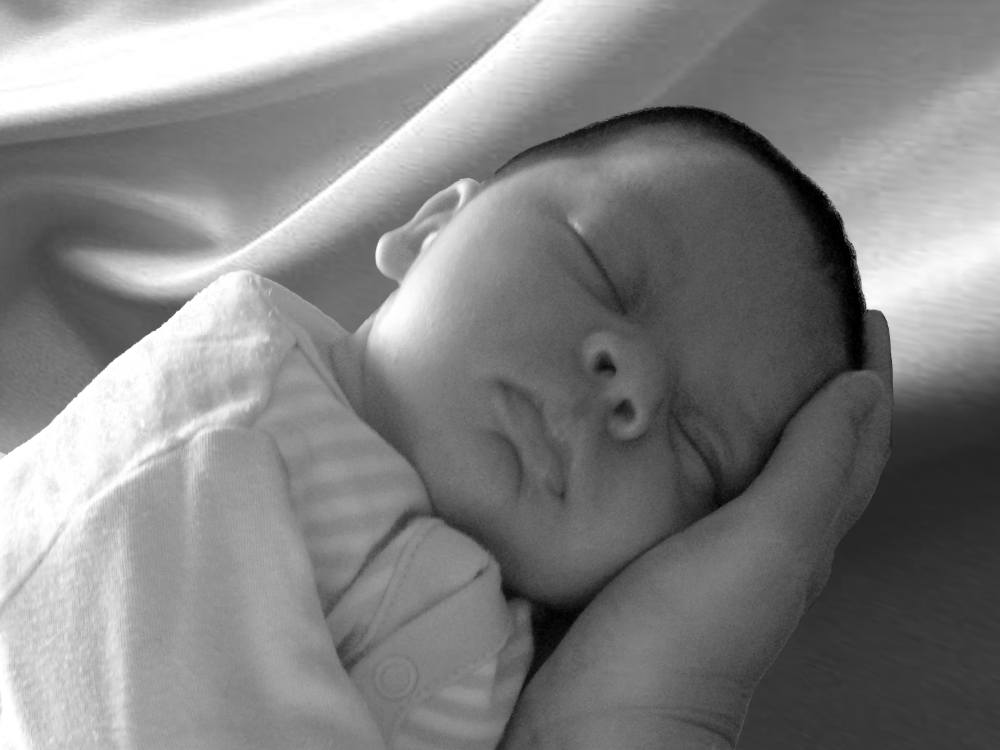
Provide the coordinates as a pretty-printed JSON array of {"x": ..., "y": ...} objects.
[
  {"x": 692, "y": 216},
  {"x": 640, "y": 181},
  {"x": 599, "y": 193}
]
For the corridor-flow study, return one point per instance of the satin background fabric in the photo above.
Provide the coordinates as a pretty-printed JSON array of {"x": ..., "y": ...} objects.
[{"x": 146, "y": 148}]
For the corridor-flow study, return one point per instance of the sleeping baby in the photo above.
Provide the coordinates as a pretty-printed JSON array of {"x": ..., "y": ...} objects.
[{"x": 587, "y": 353}]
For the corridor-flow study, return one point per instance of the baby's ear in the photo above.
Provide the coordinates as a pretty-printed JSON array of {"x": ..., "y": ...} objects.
[
  {"x": 395, "y": 253},
  {"x": 396, "y": 250}
]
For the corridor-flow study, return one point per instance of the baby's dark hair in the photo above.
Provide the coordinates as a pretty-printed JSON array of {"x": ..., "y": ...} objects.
[{"x": 836, "y": 262}]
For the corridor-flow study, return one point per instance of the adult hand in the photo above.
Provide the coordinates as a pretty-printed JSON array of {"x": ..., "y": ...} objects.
[{"x": 669, "y": 653}]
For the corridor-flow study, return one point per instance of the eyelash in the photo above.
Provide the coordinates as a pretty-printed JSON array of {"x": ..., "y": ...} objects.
[
  {"x": 614, "y": 289},
  {"x": 605, "y": 275}
]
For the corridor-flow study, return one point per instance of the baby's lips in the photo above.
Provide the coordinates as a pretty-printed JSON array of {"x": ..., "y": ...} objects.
[{"x": 525, "y": 424}]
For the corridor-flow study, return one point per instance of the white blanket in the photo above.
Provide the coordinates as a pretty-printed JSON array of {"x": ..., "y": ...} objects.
[{"x": 146, "y": 147}]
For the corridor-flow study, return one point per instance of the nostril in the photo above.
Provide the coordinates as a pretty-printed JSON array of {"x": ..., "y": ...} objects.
[
  {"x": 604, "y": 364},
  {"x": 625, "y": 410}
]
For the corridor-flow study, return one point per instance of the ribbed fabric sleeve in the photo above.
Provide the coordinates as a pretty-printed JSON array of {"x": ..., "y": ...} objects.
[{"x": 349, "y": 488}]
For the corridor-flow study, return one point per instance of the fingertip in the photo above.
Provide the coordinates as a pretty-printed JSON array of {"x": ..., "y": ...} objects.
[
  {"x": 878, "y": 347},
  {"x": 866, "y": 390},
  {"x": 876, "y": 325}
]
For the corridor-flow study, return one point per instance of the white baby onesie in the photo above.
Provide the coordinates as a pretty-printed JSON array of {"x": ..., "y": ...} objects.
[{"x": 207, "y": 548}]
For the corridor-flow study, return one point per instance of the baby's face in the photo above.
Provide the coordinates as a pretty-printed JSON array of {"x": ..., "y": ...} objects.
[{"x": 569, "y": 411}]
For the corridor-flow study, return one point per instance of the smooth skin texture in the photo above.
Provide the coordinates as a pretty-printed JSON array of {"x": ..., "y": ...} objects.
[
  {"x": 665, "y": 365},
  {"x": 669, "y": 653}
]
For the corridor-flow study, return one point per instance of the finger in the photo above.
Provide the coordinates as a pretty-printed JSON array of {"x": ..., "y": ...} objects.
[
  {"x": 878, "y": 350},
  {"x": 878, "y": 359}
]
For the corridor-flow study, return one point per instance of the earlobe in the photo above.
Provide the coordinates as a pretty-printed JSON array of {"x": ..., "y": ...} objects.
[
  {"x": 428, "y": 241},
  {"x": 393, "y": 257},
  {"x": 396, "y": 250}
]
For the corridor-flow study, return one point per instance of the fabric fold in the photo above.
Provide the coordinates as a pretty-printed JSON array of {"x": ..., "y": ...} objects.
[{"x": 442, "y": 617}]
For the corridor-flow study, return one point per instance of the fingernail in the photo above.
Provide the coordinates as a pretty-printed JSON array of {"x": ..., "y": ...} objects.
[{"x": 866, "y": 390}]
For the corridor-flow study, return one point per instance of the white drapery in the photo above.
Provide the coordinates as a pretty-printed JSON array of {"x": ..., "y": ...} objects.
[{"x": 146, "y": 148}]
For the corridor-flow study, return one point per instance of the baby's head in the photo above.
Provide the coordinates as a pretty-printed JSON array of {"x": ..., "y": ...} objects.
[{"x": 653, "y": 298}]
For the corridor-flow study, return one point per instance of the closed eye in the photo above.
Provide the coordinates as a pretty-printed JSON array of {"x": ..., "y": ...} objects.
[{"x": 600, "y": 267}]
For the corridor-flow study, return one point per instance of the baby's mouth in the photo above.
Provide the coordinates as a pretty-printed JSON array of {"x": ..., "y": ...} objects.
[{"x": 523, "y": 421}]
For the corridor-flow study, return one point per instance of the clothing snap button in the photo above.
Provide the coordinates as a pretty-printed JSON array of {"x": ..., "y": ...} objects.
[{"x": 395, "y": 677}]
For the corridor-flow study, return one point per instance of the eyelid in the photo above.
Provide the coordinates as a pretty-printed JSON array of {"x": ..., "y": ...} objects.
[{"x": 600, "y": 266}]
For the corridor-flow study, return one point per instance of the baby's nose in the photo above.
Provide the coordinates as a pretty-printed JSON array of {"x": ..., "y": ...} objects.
[{"x": 629, "y": 381}]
